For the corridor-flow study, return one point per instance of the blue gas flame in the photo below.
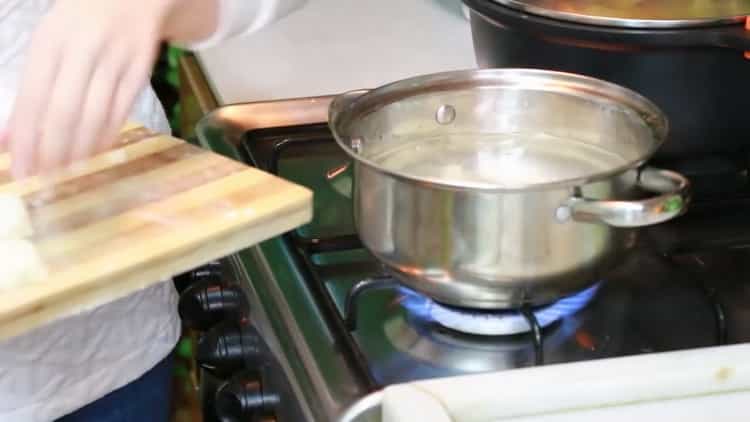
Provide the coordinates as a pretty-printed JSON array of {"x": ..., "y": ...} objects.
[{"x": 424, "y": 308}]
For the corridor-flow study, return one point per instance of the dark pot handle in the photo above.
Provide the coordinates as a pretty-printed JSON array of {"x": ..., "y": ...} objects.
[
  {"x": 735, "y": 36},
  {"x": 672, "y": 201}
]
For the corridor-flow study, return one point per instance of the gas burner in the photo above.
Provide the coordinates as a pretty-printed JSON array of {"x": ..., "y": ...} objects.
[
  {"x": 495, "y": 323},
  {"x": 427, "y": 350}
]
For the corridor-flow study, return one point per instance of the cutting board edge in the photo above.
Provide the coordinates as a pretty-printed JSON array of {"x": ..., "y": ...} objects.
[
  {"x": 60, "y": 307},
  {"x": 303, "y": 203}
]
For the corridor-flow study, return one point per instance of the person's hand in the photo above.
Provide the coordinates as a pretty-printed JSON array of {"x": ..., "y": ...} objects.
[{"x": 88, "y": 61}]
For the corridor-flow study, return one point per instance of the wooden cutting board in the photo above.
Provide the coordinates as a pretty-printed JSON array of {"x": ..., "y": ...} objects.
[{"x": 152, "y": 208}]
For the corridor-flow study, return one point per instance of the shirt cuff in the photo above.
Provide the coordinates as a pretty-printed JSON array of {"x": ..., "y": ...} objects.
[{"x": 240, "y": 17}]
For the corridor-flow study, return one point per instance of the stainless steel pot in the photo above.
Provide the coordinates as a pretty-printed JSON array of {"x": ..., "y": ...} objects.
[{"x": 504, "y": 187}]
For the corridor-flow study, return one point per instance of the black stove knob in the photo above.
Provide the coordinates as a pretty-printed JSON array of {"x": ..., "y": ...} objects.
[
  {"x": 207, "y": 303},
  {"x": 211, "y": 271},
  {"x": 243, "y": 399},
  {"x": 229, "y": 347}
]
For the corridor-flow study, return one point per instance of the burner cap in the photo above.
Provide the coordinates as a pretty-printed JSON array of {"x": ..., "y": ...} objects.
[{"x": 506, "y": 322}]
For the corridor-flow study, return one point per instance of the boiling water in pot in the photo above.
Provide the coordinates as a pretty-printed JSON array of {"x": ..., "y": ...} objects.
[{"x": 502, "y": 160}]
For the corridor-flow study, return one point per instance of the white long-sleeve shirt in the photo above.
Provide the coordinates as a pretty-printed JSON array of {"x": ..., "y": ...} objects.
[{"x": 62, "y": 366}]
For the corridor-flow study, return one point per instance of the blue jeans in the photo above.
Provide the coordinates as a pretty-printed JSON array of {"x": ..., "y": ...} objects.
[{"x": 147, "y": 398}]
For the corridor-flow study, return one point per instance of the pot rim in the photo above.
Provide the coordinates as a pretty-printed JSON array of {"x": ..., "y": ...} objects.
[
  {"x": 348, "y": 106},
  {"x": 632, "y": 20}
]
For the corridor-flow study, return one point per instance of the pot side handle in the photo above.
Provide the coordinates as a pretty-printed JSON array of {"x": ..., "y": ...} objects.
[
  {"x": 340, "y": 177},
  {"x": 674, "y": 190}
]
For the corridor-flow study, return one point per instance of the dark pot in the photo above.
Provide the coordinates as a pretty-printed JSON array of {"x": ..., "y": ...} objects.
[{"x": 697, "y": 75}]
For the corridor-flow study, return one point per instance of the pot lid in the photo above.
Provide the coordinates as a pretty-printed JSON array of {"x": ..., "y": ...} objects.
[{"x": 638, "y": 13}]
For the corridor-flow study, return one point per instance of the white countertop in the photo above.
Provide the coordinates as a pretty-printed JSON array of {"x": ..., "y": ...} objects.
[
  {"x": 332, "y": 46},
  {"x": 690, "y": 385}
]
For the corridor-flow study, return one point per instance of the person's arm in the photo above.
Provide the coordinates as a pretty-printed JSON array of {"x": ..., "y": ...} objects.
[{"x": 89, "y": 59}]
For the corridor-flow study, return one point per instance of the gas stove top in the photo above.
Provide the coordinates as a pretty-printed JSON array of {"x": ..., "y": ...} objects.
[{"x": 339, "y": 327}]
